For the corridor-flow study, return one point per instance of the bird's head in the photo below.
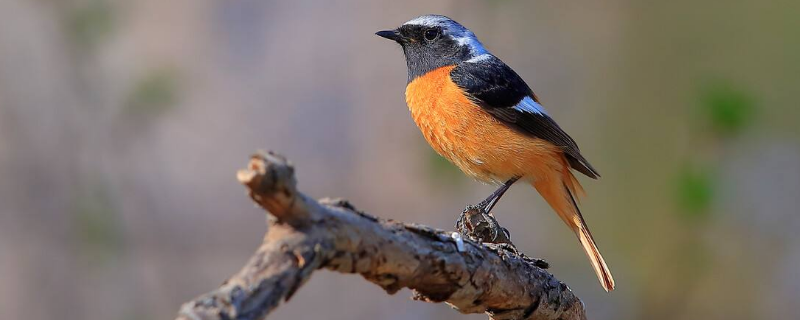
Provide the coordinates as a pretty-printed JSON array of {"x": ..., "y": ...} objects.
[{"x": 433, "y": 41}]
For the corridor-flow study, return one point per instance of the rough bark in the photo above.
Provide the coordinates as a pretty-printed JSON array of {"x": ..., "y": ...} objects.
[{"x": 305, "y": 235}]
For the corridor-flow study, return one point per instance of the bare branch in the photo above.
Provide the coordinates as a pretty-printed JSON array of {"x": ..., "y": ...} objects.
[{"x": 306, "y": 235}]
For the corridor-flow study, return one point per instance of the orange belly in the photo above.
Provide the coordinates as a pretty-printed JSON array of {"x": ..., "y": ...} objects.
[{"x": 472, "y": 139}]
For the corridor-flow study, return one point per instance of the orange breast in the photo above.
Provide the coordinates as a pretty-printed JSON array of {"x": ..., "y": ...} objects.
[{"x": 471, "y": 138}]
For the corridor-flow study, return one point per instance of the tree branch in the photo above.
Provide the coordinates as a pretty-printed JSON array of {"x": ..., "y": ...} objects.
[{"x": 305, "y": 235}]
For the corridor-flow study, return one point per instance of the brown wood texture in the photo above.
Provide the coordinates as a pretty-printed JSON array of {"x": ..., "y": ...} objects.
[{"x": 305, "y": 235}]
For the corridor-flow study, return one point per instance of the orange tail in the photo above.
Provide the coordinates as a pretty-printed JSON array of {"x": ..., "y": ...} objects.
[{"x": 558, "y": 192}]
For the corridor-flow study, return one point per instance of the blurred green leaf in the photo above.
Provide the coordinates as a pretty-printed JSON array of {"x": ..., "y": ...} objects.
[
  {"x": 91, "y": 22},
  {"x": 695, "y": 190},
  {"x": 153, "y": 94},
  {"x": 96, "y": 222},
  {"x": 730, "y": 110}
]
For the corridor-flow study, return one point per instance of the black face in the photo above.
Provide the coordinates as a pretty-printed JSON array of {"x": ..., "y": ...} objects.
[{"x": 426, "y": 48}]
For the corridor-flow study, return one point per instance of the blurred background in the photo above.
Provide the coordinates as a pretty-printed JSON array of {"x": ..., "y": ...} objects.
[{"x": 122, "y": 124}]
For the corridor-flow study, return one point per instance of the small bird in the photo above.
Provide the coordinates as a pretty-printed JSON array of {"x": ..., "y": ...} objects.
[{"x": 478, "y": 113}]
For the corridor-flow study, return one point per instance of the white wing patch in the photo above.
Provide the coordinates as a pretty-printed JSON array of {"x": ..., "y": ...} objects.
[{"x": 528, "y": 105}]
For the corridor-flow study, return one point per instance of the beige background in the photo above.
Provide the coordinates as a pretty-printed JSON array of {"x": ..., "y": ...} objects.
[{"x": 122, "y": 124}]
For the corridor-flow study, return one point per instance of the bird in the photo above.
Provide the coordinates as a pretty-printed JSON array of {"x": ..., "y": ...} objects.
[{"x": 479, "y": 114}]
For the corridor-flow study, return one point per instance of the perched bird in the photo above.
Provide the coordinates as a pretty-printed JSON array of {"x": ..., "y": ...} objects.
[{"x": 479, "y": 114}]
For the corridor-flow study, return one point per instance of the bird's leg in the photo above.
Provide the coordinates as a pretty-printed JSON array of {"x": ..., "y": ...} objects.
[
  {"x": 488, "y": 204},
  {"x": 484, "y": 209}
]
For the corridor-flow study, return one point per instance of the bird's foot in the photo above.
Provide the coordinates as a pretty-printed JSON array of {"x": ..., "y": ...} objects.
[{"x": 478, "y": 224}]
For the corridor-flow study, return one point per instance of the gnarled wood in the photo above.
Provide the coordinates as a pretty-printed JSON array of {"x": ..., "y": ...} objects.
[{"x": 306, "y": 235}]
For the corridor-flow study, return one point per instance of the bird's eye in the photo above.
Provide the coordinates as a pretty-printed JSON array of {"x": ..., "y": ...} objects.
[{"x": 431, "y": 34}]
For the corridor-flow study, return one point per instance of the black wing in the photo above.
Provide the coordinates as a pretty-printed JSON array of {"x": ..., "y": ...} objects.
[{"x": 498, "y": 90}]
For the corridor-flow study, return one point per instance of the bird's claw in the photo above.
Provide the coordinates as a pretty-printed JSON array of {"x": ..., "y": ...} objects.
[
  {"x": 478, "y": 224},
  {"x": 494, "y": 227}
]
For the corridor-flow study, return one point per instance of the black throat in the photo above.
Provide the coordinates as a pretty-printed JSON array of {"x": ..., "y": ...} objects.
[
  {"x": 420, "y": 62},
  {"x": 423, "y": 56}
]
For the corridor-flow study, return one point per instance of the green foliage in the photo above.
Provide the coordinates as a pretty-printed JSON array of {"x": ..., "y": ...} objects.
[
  {"x": 729, "y": 110},
  {"x": 97, "y": 227},
  {"x": 695, "y": 190},
  {"x": 153, "y": 94},
  {"x": 91, "y": 22}
]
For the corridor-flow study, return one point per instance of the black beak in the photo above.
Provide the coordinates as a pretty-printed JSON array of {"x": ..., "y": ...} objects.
[{"x": 390, "y": 34}]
